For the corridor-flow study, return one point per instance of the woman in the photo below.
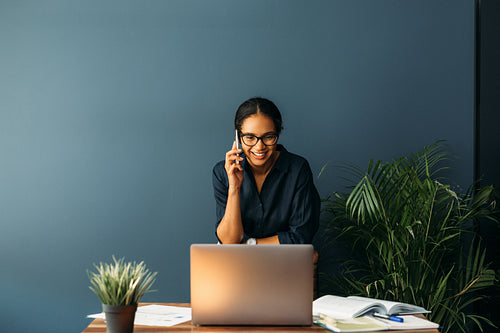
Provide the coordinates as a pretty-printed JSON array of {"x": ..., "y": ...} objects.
[{"x": 265, "y": 195}]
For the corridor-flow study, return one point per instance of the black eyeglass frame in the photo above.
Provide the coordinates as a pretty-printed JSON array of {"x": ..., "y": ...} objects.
[{"x": 241, "y": 135}]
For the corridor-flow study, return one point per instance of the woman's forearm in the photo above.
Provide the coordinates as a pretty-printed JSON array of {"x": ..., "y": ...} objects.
[
  {"x": 273, "y": 240},
  {"x": 230, "y": 229}
]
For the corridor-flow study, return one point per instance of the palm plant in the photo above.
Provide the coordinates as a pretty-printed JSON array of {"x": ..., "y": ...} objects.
[
  {"x": 406, "y": 232},
  {"x": 121, "y": 283}
]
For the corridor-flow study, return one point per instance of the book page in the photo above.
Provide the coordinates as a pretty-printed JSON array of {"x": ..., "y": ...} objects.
[
  {"x": 394, "y": 307},
  {"x": 344, "y": 307}
]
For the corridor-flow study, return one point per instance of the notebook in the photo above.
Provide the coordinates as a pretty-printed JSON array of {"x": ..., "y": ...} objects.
[{"x": 251, "y": 284}]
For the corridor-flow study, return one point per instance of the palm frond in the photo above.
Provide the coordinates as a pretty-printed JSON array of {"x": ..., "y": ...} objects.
[{"x": 405, "y": 229}]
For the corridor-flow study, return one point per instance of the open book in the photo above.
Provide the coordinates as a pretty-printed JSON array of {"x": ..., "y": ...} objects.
[{"x": 354, "y": 306}]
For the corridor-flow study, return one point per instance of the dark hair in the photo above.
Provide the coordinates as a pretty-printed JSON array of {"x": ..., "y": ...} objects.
[{"x": 258, "y": 105}]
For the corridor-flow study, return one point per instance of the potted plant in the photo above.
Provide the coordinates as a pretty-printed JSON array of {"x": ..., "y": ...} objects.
[
  {"x": 120, "y": 285},
  {"x": 404, "y": 236}
]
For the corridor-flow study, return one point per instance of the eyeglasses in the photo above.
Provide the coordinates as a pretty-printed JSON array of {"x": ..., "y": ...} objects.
[{"x": 251, "y": 140}]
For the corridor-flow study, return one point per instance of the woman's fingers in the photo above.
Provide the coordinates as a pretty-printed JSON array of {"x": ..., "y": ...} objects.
[
  {"x": 231, "y": 156},
  {"x": 234, "y": 170}
]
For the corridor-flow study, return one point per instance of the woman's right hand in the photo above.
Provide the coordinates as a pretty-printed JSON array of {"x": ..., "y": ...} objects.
[{"x": 234, "y": 170}]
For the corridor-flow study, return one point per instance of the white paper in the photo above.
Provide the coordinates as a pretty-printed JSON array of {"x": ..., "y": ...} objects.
[{"x": 157, "y": 315}]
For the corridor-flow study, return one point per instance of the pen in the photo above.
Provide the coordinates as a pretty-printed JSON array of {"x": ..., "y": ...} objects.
[{"x": 393, "y": 318}]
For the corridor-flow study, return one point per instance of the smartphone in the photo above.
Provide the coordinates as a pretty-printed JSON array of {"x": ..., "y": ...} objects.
[{"x": 237, "y": 144}]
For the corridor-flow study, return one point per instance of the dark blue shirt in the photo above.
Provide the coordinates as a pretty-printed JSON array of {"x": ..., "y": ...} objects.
[{"x": 288, "y": 204}]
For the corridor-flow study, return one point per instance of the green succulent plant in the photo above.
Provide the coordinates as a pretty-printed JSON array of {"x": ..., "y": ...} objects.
[{"x": 121, "y": 283}]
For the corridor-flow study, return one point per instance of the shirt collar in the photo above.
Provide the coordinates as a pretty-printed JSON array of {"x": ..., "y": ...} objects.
[{"x": 282, "y": 161}]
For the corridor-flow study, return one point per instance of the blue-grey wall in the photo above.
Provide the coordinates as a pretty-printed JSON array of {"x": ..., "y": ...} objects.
[{"x": 112, "y": 114}]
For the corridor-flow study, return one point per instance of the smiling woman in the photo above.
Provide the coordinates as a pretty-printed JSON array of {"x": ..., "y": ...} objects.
[{"x": 265, "y": 195}]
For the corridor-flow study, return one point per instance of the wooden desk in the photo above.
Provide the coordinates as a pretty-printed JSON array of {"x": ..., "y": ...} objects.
[{"x": 99, "y": 326}]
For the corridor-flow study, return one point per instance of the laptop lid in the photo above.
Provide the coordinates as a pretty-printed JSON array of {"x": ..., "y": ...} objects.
[{"x": 251, "y": 284}]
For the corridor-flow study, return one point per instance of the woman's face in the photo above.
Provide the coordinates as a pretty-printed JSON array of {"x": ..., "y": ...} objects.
[{"x": 258, "y": 125}]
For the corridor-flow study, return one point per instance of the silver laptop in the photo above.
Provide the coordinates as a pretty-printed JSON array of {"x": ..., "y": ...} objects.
[{"x": 251, "y": 284}]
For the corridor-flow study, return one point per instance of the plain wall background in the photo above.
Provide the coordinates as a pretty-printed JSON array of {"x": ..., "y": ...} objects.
[{"x": 112, "y": 114}]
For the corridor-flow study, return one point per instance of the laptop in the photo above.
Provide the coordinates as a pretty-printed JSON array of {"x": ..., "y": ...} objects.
[{"x": 251, "y": 284}]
